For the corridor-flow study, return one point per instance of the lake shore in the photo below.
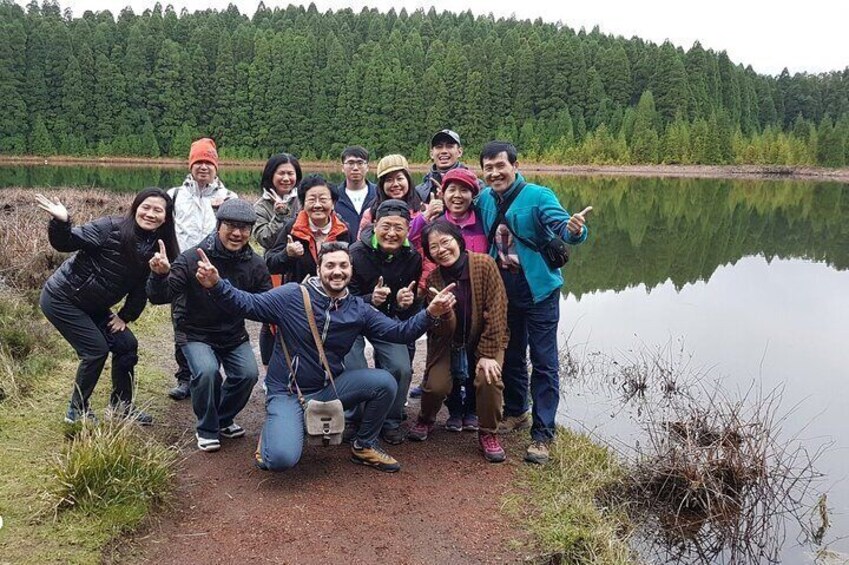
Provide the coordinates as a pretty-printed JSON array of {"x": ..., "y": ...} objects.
[{"x": 671, "y": 171}]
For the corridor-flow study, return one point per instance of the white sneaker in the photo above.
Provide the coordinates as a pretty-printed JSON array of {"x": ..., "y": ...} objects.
[{"x": 206, "y": 444}]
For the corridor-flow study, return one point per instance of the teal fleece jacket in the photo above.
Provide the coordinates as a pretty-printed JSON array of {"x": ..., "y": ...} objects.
[{"x": 535, "y": 215}]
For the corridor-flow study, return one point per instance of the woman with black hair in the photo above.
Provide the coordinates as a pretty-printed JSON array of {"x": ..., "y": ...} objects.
[
  {"x": 111, "y": 263},
  {"x": 278, "y": 203},
  {"x": 394, "y": 182},
  {"x": 277, "y": 206}
]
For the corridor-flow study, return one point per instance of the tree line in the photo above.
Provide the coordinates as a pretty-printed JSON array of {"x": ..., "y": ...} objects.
[{"x": 309, "y": 82}]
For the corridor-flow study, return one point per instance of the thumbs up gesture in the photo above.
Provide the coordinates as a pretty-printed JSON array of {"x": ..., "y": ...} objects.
[
  {"x": 577, "y": 221},
  {"x": 434, "y": 209},
  {"x": 207, "y": 274},
  {"x": 406, "y": 296},
  {"x": 294, "y": 248},
  {"x": 159, "y": 263},
  {"x": 380, "y": 293}
]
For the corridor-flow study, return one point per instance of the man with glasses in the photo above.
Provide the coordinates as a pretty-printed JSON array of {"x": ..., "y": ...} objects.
[
  {"x": 208, "y": 335},
  {"x": 386, "y": 273},
  {"x": 356, "y": 193}
]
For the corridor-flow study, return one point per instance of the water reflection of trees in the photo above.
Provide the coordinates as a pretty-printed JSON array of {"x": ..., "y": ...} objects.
[{"x": 649, "y": 230}]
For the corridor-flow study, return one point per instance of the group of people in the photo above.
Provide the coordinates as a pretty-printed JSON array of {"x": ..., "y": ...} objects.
[{"x": 456, "y": 258}]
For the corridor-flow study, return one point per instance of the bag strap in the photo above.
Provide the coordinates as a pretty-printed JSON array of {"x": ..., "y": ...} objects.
[
  {"x": 501, "y": 212},
  {"x": 292, "y": 370},
  {"x": 319, "y": 344}
]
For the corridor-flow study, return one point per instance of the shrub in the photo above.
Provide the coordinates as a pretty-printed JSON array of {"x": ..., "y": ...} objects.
[{"x": 112, "y": 465}]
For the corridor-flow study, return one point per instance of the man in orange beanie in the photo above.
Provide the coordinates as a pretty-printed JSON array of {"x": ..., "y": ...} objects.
[{"x": 195, "y": 203}]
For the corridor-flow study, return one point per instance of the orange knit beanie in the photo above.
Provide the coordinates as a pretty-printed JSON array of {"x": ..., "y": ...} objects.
[{"x": 203, "y": 150}]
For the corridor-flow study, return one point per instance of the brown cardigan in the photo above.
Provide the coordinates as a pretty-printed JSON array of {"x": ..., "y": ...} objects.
[{"x": 488, "y": 335}]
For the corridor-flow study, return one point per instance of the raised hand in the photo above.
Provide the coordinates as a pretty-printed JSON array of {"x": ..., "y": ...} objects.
[
  {"x": 380, "y": 293},
  {"x": 406, "y": 296},
  {"x": 577, "y": 221},
  {"x": 52, "y": 207},
  {"x": 434, "y": 209},
  {"x": 490, "y": 369},
  {"x": 443, "y": 301},
  {"x": 294, "y": 248},
  {"x": 207, "y": 274},
  {"x": 159, "y": 263}
]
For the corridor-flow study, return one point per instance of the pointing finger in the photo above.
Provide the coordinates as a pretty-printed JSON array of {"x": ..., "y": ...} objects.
[
  {"x": 161, "y": 247},
  {"x": 585, "y": 211},
  {"x": 411, "y": 286},
  {"x": 203, "y": 258},
  {"x": 379, "y": 282},
  {"x": 448, "y": 289}
]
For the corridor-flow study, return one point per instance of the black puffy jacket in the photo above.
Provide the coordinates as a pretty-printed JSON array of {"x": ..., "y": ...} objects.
[
  {"x": 100, "y": 274},
  {"x": 398, "y": 270},
  {"x": 196, "y": 316}
]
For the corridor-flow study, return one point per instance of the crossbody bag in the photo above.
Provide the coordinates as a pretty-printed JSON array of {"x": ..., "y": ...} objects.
[{"x": 324, "y": 422}]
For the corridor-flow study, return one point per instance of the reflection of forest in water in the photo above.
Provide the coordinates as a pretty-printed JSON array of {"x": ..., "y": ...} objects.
[
  {"x": 650, "y": 230},
  {"x": 643, "y": 230}
]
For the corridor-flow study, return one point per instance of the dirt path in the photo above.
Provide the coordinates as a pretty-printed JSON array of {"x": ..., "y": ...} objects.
[{"x": 443, "y": 507}]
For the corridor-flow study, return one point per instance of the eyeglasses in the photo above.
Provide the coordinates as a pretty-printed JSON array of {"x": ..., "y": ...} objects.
[
  {"x": 355, "y": 164},
  {"x": 444, "y": 243},
  {"x": 237, "y": 226},
  {"x": 323, "y": 200}
]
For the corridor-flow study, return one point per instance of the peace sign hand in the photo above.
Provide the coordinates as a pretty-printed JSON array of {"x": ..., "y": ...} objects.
[
  {"x": 159, "y": 263},
  {"x": 207, "y": 274},
  {"x": 406, "y": 296},
  {"x": 52, "y": 207}
]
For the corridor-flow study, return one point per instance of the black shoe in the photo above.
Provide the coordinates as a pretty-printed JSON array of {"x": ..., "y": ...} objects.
[
  {"x": 394, "y": 436},
  {"x": 181, "y": 391},
  {"x": 130, "y": 412}
]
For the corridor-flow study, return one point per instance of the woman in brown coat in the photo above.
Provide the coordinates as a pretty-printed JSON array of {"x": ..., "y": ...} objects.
[{"x": 471, "y": 342}]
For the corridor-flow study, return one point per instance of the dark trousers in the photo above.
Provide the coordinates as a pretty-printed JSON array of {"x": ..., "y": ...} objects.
[
  {"x": 90, "y": 337},
  {"x": 532, "y": 326},
  {"x": 183, "y": 373}
]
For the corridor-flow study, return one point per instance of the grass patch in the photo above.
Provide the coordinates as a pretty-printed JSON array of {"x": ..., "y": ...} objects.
[
  {"x": 562, "y": 504},
  {"x": 36, "y": 450}
]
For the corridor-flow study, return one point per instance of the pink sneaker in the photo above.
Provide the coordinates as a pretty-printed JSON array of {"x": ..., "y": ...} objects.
[
  {"x": 492, "y": 450},
  {"x": 420, "y": 431}
]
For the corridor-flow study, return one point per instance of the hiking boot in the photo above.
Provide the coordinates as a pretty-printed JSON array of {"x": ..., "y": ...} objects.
[
  {"x": 394, "y": 436},
  {"x": 491, "y": 447},
  {"x": 232, "y": 431},
  {"x": 208, "y": 444},
  {"x": 373, "y": 457},
  {"x": 514, "y": 423},
  {"x": 74, "y": 415},
  {"x": 416, "y": 392},
  {"x": 454, "y": 424},
  {"x": 537, "y": 453},
  {"x": 420, "y": 431},
  {"x": 181, "y": 391},
  {"x": 470, "y": 423}
]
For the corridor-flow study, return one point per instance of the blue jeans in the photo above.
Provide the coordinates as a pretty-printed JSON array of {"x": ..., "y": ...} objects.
[
  {"x": 282, "y": 440},
  {"x": 533, "y": 325},
  {"x": 393, "y": 357},
  {"x": 217, "y": 401}
]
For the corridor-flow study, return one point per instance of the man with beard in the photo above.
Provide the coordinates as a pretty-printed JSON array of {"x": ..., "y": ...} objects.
[
  {"x": 208, "y": 335},
  {"x": 343, "y": 317}
]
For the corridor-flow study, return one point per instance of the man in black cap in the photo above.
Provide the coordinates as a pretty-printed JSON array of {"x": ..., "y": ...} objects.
[
  {"x": 445, "y": 152},
  {"x": 207, "y": 335},
  {"x": 386, "y": 272}
]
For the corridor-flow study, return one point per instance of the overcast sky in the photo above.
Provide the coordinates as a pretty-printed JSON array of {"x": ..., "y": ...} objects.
[{"x": 806, "y": 35}]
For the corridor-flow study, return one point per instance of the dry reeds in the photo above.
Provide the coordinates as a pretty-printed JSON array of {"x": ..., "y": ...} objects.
[{"x": 26, "y": 257}]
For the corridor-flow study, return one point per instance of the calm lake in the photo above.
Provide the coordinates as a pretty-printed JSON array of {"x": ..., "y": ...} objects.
[{"x": 746, "y": 279}]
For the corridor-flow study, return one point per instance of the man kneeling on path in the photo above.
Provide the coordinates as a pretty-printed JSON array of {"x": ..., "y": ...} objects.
[
  {"x": 207, "y": 334},
  {"x": 341, "y": 317}
]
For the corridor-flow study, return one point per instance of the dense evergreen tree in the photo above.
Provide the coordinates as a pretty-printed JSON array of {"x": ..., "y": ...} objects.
[{"x": 309, "y": 82}]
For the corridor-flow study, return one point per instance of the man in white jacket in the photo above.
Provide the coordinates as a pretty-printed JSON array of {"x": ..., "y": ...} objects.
[{"x": 195, "y": 204}]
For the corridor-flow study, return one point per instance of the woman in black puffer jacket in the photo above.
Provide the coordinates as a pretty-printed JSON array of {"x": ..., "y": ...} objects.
[{"x": 111, "y": 263}]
